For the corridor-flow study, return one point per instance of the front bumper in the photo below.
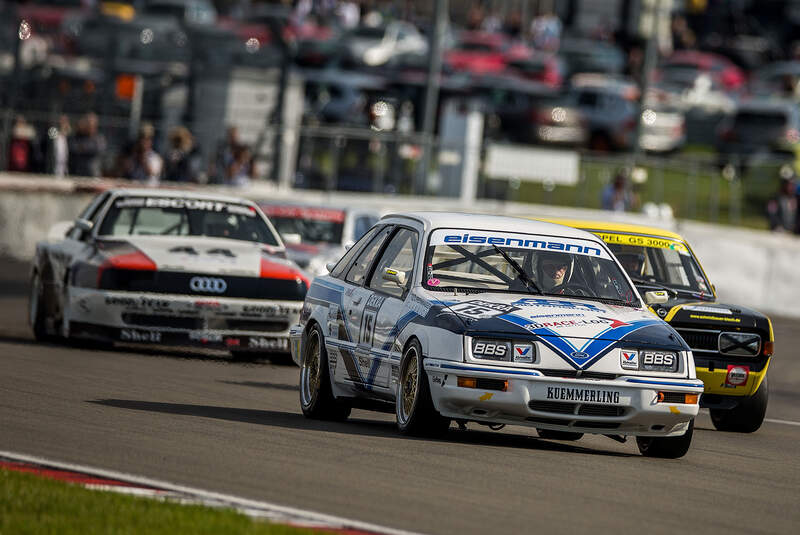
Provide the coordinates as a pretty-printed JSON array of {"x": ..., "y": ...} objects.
[
  {"x": 174, "y": 319},
  {"x": 626, "y": 405},
  {"x": 721, "y": 393}
]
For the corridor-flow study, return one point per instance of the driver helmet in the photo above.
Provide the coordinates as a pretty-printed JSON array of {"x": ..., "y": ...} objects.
[
  {"x": 555, "y": 269},
  {"x": 633, "y": 262}
]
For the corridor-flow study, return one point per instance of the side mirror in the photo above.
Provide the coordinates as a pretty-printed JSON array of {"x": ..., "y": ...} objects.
[
  {"x": 292, "y": 238},
  {"x": 655, "y": 297},
  {"x": 84, "y": 224},
  {"x": 393, "y": 275},
  {"x": 330, "y": 265}
]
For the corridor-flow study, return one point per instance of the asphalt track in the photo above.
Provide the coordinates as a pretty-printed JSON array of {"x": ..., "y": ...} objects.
[{"x": 198, "y": 419}]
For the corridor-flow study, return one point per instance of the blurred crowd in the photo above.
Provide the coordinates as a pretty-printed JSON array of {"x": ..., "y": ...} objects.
[{"x": 82, "y": 152}]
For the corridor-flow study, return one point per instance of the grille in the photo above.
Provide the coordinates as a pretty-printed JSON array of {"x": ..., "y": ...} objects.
[
  {"x": 600, "y": 410},
  {"x": 554, "y": 421},
  {"x": 572, "y": 374},
  {"x": 154, "y": 320},
  {"x": 700, "y": 340},
  {"x": 178, "y": 283},
  {"x": 248, "y": 325},
  {"x": 552, "y": 406},
  {"x": 674, "y": 397}
]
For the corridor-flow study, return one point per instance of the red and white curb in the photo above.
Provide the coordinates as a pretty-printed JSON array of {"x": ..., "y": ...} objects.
[{"x": 110, "y": 480}]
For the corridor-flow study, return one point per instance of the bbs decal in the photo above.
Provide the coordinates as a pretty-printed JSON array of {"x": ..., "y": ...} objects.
[{"x": 490, "y": 349}]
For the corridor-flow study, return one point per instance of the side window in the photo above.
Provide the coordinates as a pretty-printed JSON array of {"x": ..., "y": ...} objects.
[
  {"x": 358, "y": 271},
  {"x": 91, "y": 212},
  {"x": 362, "y": 225},
  {"x": 398, "y": 256},
  {"x": 344, "y": 262}
]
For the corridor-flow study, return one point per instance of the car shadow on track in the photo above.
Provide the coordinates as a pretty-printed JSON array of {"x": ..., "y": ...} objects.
[
  {"x": 354, "y": 426},
  {"x": 260, "y": 384}
]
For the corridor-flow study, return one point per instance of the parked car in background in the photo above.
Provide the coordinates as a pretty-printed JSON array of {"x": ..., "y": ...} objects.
[
  {"x": 192, "y": 12},
  {"x": 168, "y": 268},
  {"x": 317, "y": 235},
  {"x": 380, "y": 45},
  {"x": 591, "y": 55},
  {"x": 611, "y": 107},
  {"x": 691, "y": 62},
  {"x": 477, "y": 53},
  {"x": 778, "y": 78},
  {"x": 549, "y": 69},
  {"x": 732, "y": 344},
  {"x": 760, "y": 130}
]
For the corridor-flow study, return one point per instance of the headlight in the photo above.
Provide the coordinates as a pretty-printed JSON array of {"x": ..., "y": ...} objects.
[
  {"x": 519, "y": 351},
  {"x": 744, "y": 344},
  {"x": 648, "y": 360}
]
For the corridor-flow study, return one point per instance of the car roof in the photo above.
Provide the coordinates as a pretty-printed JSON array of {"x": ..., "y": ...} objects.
[
  {"x": 617, "y": 227},
  {"x": 460, "y": 220},
  {"x": 145, "y": 192}
]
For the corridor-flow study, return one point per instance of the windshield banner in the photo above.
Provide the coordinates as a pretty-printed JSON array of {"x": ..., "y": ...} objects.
[
  {"x": 643, "y": 241},
  {"x": 508, "y": 240},
  {"x": 189, "y": 204}
]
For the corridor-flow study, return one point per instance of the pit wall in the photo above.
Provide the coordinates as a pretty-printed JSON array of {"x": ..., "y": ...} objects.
[{"x": 755, "y": 268}]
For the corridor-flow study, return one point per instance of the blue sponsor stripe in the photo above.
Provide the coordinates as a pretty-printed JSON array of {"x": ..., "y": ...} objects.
[
  {"x": 398, "y": 328},
  {"x": 645, "y": 381}
]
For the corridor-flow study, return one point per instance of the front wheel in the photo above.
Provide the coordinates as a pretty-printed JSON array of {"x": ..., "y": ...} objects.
[
  {"x": 316, "y": 395},
  {"x": 746, "y": 417},
  {"x": 666, "y": 447},
  {"x": 37, "y": 309},
  {"x": 414, "y": 408}
]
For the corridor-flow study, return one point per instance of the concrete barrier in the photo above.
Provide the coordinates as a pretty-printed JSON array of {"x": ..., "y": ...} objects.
[{"x": 754, "y": 268}]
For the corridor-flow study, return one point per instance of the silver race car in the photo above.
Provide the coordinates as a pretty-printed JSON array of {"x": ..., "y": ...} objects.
[
  {"x": 167, "y": 267},
  {"x": 498, "y": 321}
]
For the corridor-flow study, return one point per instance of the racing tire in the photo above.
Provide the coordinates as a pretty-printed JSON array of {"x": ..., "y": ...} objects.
[
  {"x": 37, "y": 306},
  {"x": 747, "y": 416},
  {"x": 414, "y": 409},
  {"x": 666, "y": 447},
  {"x": 550, "y": 434},
  {"x": 316, "y": 394}
]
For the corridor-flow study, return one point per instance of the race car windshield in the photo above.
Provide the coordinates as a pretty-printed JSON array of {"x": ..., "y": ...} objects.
[
  {"x": 313, "y": 225},
  {"x": 162, "y": 216},
  {"x": 472, "y": 261},
  {"x": 660, "y": 262}
]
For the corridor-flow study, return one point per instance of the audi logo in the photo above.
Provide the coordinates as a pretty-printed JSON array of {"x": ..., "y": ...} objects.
[{"x": 208, "y": 285}]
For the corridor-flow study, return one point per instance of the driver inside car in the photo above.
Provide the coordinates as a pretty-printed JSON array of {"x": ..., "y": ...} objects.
[
  {"x": 632, "y": 260},
  {"x": 554, "y": 269}
]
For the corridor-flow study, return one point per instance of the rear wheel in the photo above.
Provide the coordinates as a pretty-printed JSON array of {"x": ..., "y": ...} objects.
[
  {"x": 747, "y": 416},
  {"x": 316, "y": 395},
  {"x": 414, "y": 408},
  {"x": 549, "y": 434},
  {"x": 666, "y": 447}
]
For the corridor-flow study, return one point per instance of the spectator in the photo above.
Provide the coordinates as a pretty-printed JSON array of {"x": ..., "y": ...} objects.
[
  {"x": 22, "y": 147},
  {"x": 617, "y": 196},
  {"x": 782, "y": 209},
  {"x": 183, "y": 160},
  {"x": 225, "y": 154},
  {"x": 56, "y": 148},
  {"x": 240, "y": 170},
  {"x": 546, "y": 32},
  {"x": 145, "y": 164},
  {"x": 87, "y": 148}
]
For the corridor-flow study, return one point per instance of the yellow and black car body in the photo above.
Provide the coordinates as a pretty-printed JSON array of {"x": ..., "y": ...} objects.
[{"x": 732, "y": 344}]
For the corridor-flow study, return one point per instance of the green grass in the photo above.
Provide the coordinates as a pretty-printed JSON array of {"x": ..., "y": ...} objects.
[
  {"x": 30, "y": 504},
  {"x": 700, "y": 193}
]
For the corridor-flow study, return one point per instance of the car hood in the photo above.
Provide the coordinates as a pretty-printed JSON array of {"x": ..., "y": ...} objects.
[
  {"x": 570, "y": 318},
  {"x": 200, "y": 254},
  {"x": 693, "y": 313}
]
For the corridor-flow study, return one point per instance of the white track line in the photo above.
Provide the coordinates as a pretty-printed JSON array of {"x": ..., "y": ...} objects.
[
  {"x": 784, "y": 422},
  {"x": 274, "y": 512}
]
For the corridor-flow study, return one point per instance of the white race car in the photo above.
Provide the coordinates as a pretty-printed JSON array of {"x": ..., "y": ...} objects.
[
  {"x": 167, "y": 267},
  {"x": 495, "y": 320}
]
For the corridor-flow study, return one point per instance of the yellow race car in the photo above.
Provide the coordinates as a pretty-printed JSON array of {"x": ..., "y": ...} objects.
[{"x": 732, "y": 344}]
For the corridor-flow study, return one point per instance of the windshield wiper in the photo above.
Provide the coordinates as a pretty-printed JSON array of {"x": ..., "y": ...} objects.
[
  {"x": 672, "y": 291},
  {"x": 522, "y": 275}
]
